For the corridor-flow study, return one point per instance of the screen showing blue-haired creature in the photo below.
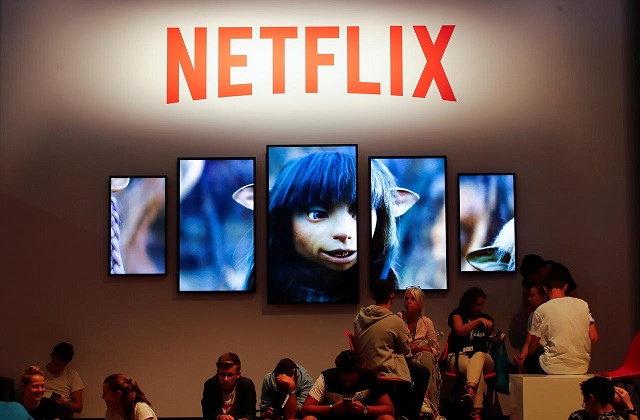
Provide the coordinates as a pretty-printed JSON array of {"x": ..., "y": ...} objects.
[
  {"x": 487, "y": 222},
  {"x": 312, "y": 224},
  {"x": 216, "y": 225},
  {"x": 138, "y": 226},
  {"x": 408, "y": 221}
]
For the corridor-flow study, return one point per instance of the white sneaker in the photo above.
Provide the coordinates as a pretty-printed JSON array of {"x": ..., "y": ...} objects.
[{"x": 426, "y": 408}]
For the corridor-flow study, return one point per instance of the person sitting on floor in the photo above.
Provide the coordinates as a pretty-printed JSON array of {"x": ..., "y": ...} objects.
[
  {"x": 38, "y": 407},
  {"x": 284, "y": 391},
  {"x": 603, "y": 401},
  {"x": 565, "y": 326},
  {"x": 228, "y": 395},
  {"x": 347, "y": 391}
]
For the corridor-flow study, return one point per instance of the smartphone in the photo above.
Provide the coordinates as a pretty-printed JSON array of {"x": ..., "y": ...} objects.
[
  {"x": 55, "y": 395},
  {"x": 347, "y": 400}
]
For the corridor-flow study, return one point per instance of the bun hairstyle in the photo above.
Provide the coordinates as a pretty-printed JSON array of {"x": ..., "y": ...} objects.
[{"x": 131, "y": 394}]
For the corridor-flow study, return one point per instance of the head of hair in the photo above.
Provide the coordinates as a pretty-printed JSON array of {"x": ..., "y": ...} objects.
[
  {"x": 63, "y": 351},
  {"x": 382, "y": 291},
  {"x": 348, "y": 362},
  {"x": 417, "y": 294},
  {"x": 531, "y": 264},
  {"x": 227, "y": 360},
  {"x": 557, "y": 278},
  {"x": 540, "y": 290},
  {"x": 29, "y": 372},
  {"x": 469, "y": 298},
  {"x": 286, "y": 366},
  {"x": 130, "y": 392},
  {"x": 384, "y": 242},
  {"x": 317, "y": 178},
  {"x": 600, "y": 387}
]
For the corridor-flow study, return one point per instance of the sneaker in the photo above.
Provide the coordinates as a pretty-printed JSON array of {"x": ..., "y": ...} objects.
[
  {"x": 475, "y": 416},
  {"x": 469, "y": 396}
]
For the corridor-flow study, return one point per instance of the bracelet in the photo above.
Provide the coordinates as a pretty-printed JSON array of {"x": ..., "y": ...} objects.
[
  {"x": 632, "y": 411},
  {"x": 291, "y": 393},
  {"x": 330, "y": 408}
]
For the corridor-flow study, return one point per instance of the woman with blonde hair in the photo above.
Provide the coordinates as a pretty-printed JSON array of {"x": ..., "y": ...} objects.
[
  {"x": 423, "y": 341},
  {"x": 125, "y": 400}
]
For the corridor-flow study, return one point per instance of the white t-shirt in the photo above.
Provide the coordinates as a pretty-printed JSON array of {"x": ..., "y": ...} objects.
[
  {"x": 142, "y": 411},
  {"x": 64, "y": 383},
  {"x": 563, "y": 325}
]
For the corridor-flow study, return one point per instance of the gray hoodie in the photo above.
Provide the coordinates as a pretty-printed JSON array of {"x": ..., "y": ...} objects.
[{"x": 382, "y": 342}]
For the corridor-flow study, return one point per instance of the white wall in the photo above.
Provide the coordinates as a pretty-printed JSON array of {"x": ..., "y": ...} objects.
[{"x": 540, "y": 90}]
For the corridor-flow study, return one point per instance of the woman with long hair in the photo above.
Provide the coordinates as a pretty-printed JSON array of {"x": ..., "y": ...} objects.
[
  {"x": 125, "y": 400},
  {"x": 469, "y": 344},
  {"x": 423, "y": 341}
]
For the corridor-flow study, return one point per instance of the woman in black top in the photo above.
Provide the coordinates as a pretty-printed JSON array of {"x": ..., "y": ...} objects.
[{"x": 469, "y": 345}]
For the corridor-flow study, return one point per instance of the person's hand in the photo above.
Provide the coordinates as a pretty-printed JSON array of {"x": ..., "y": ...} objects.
[
  {"x": 415, "y": 348},
  {"x": 59, "y": 400},
  {"x": 622, "y": 397},
  {"x": 283, "y": 379},
  {"x": 267, "y": 414},
  {"x": 488, "y": 324},
  {"x": 517, "y": 359},
  {"x": 341, "y": 407},
  {"x": 224, "y": 417},
  {"x": 356, "y": 407}
]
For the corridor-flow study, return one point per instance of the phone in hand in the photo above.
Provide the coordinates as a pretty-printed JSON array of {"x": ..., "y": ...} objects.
[{"x": 55, "y": 395}]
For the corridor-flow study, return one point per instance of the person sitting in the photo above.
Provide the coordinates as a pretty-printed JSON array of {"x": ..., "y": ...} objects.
[
  {"x": 284, "y": 391},
  {"x": 537, "y": 296},
  {"x": 125, "y": 400},
  {"x": 533, "y": 269},
  {"x": 565, "y": 326},
  {"x": 423, "y": 342},
  {"x": 603, "y": 401},
  {"x": 469, "y": 345},
  {"x": 63, "y": 383},
  {"x": 33, "y": 400},
  {"x": 10, "y": 410},
  {"x": 382, "y": 344},
  {"x": 347, "y": 391},
  {"x": 228, "y": 395}
]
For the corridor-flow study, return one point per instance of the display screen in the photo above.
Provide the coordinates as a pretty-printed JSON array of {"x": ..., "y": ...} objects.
[
  {"x": 138, "y": 226},
  {"x": 216, "y": 225},
  {"x": 487, "y": 222},
  {"x": 408, "y": 221},
  {"x": 312, "y": 228}
]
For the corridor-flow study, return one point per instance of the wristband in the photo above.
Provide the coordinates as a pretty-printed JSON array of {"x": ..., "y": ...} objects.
[
  {"x": 330, "y": 408},
  {"x": 292, "y": 392},
  {"x": 632, "y": 411}
]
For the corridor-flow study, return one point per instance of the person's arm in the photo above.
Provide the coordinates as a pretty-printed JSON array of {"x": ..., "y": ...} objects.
[
  {"x": 402, "y": 339},
  {"x": 305, "y": 382},
  {"x": 246, "y": 402},
  {"x": 518, "y": 358},
  {"x": 291, "y": 402},
  {"x": 266, "y": 396},
  {"x": 533, "y": 344},
  {"x": 593, "y": 332},
  {"x": 382, "y": 406},
  {"x": 210, "y": 410},
  {"x": 623, "y": 404},
  {"x": 76, "y": 401}
]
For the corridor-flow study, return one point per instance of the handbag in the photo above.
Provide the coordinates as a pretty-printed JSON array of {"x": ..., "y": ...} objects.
[{"x": 501, "y": 362}]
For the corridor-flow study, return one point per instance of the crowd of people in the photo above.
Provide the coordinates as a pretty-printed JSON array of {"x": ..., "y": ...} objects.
[{"x": 392, "y": 372}]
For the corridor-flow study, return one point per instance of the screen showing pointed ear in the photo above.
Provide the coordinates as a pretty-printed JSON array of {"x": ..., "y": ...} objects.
[{"x": 408, "y": 221}]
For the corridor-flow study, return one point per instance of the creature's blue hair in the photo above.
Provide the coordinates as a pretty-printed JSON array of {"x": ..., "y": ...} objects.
[
  {"x": 384, "y": 242},
  {"x": 318, "y": 178}
]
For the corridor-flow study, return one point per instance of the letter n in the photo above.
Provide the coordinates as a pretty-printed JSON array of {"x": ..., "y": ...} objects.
[{"x": 178, "y": 56}]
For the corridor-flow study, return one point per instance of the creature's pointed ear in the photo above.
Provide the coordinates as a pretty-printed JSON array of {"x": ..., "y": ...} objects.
[
  {"x": 244, "y": 196},
  {"x": 403, "y": 200},
  {"x": 119, "y": 184}
]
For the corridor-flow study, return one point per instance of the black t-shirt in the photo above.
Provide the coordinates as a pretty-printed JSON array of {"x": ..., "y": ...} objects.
[
  {"x": 475, "y": 341},
  {"x": 46, "y": 410}
]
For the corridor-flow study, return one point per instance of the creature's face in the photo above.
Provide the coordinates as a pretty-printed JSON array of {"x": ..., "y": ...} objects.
[
  {"x": 35, "y": 390},
  {"x": 327, "y": 235}
]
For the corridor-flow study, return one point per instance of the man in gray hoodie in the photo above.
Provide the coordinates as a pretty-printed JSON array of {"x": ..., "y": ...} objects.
[{"x": 382, "y": 345}]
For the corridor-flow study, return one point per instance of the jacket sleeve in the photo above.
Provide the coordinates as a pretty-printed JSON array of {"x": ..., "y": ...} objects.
[
  {"x": 247, "y": 401},
  {"x": 210, "y": 408},
  {"x": 266, "y": 397},
  {"x": 306, "y": 382}
]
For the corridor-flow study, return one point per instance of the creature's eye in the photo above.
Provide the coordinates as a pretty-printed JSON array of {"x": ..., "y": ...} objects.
[
  {"x": 353, "y": 211},
  {"x": 317, "y": 214}
]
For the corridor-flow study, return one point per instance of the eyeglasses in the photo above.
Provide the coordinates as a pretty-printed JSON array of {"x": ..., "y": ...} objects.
[{"x": 227, "y": 374}]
